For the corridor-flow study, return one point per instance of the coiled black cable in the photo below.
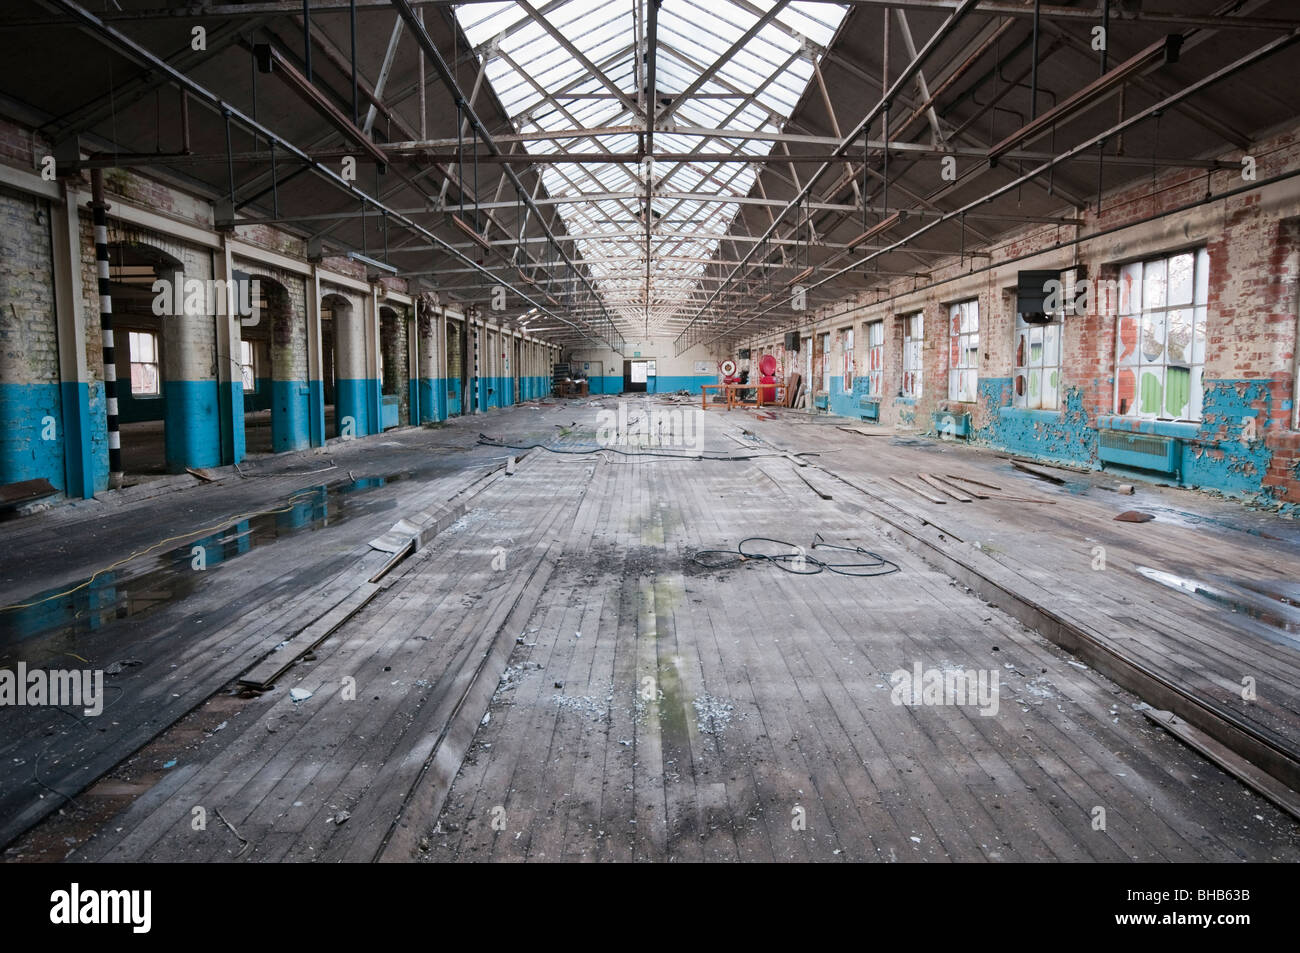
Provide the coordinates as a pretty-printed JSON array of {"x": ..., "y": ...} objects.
[{"x": 796, "y": 561}]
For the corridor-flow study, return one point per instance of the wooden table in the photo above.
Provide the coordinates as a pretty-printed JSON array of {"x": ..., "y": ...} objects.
[
  {"x": 733, "y": 399},
  {"x": 704, "y": 394}
]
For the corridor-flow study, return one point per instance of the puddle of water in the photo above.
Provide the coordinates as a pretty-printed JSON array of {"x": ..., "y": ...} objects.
[
  {"x": 1275, "y": 610},
  {"x": 174, "y": 574}
]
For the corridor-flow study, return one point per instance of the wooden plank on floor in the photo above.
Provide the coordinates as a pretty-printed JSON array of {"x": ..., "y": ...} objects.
[
  {"x": 956, "y": 494},
  {"x": 919, "y": 491}
]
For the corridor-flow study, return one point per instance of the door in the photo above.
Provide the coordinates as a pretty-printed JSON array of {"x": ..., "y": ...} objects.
[{"x": 596, "y": 377}]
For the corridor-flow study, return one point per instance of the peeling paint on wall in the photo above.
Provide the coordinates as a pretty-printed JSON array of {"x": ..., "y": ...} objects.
[
  {"x": 1224, "y": 457},
  {"x": 1066, "y": 436}
]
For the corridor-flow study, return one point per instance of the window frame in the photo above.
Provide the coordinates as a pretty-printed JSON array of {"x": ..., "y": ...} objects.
[
  {"x": 132, "y": 335},
  {"x": 846, "y": 345},
  {"x": 918, "y": 372},
  {"x": 1138, "y": 316},
  {"x": 251, "y": 365},
  {"x": 1022, "y": 368},
  {"x": 875, "y": 364},
  {"x": 962, "y": 340},
  {"x": 824, "y": 338}
]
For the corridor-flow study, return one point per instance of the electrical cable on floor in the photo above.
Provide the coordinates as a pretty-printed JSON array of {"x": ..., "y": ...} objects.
[{"x": 796, "y": 562}]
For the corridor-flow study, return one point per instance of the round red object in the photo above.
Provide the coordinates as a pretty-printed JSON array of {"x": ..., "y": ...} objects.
[{"x": 767, "y": 364}]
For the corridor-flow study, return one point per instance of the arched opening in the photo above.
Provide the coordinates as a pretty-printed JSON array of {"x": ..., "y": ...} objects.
[
  {"x": 347, "y": 380},
  {"x": 273, "y": 363},
  {"x": 394, "y": 370},
  {"x": 162, "y": 363}
]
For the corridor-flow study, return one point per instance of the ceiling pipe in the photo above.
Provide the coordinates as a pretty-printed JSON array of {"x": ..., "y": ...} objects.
[
  {"x": 271, "y": 60},
  {"x": 908, "y": 73},
  {"x": 1158, "y": 53},
  {"x": 1163, "y": 105},
  {"x": 134, "y": 51},
  {"x": 404, "y": 9}
]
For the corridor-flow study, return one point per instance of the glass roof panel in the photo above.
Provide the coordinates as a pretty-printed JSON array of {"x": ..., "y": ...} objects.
[{"x": 544, "y": 86}]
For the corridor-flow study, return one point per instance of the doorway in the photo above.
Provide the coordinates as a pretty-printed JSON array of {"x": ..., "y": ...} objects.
[{"x": 634, "y": 377}]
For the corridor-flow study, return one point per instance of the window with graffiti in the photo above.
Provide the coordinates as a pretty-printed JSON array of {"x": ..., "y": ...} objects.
[
  {"x": 1160, "y": 336},
  {"x": 913, "y": 337},
  {"x": 875, "y": 357},
  {"x": 964, "y": 350},
  {"x": 1037, "y": 381}
]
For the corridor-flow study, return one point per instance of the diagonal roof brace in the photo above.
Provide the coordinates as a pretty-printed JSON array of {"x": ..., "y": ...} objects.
[
  {"x": 908, "y": 73},
  {"x": 129, "y": 48},
  {"x": 413, "y": 23}
]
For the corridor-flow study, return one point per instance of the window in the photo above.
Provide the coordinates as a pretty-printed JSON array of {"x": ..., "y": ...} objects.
[
  {"x": 1037, "y": 381},
  {"x": 143, "y": 347},
  {"x": 1160, "y": 336},
  {"x": 248, "y": 366},
  {"x": 825, "y": 367},
  {"x": 875, "y": 357},
  {"x": 964, "y": 350},
  {"x": 846, "y": 335},
  {"x": 913, "y": 335}
]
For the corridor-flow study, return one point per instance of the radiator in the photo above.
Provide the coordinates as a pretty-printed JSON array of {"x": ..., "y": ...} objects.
[
  {"x": 1140, "y": 450},
  {"x": 951, "y": 425}
]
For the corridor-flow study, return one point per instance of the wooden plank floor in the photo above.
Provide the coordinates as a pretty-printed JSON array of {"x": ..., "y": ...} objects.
[
  {"x": 643, "y": 707},
  {"x": 770, "y": 706},
  {"x": 1212, "y": 645}
]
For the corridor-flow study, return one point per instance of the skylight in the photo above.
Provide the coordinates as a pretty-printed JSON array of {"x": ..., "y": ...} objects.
[{"x": 546, "y": 86}]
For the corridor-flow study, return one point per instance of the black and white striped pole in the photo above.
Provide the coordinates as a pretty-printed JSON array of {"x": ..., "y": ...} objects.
[{"x": 100, "y": 209}]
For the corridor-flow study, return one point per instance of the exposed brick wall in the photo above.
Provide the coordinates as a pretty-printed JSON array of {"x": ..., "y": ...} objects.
[
  {"x": 1253, "y": 242},
  {"x": 29, "y": 347},
  {"x": 393, "y": 325}
]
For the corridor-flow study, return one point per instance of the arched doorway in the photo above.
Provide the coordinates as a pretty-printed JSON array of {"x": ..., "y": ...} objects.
[
  {"x": 277, "y": 405},
  {"x": 394, "y": 368},
  {"x": 347, "y": 381},
  {"x": 165, "y": 354}
]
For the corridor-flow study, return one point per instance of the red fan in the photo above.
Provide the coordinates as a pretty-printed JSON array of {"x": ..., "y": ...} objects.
[{"x": 767, "y": 370}]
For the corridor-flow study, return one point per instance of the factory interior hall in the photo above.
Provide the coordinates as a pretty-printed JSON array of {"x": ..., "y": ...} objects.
[{"x": 651, "y": 431}]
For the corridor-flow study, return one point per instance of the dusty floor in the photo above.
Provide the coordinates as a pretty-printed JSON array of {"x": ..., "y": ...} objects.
[{"x": 556, "y": 676}]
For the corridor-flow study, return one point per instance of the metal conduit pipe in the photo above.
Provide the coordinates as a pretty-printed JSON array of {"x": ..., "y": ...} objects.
[
  {"x": 907, "y": 74},
  {"x": 132, "y": 50},
  {"x": 444, "y": 71}
]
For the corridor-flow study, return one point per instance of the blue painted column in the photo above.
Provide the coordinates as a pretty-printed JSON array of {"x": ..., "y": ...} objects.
[
  {"x": 353, "y": 386},
  {"x": 429, "y": 355},
  {"x": 315, "y": 364},
  {"x": 192, "y": 417},
  {"x": 290, "y": 393},
  {"x": 225, "y": 324}
]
